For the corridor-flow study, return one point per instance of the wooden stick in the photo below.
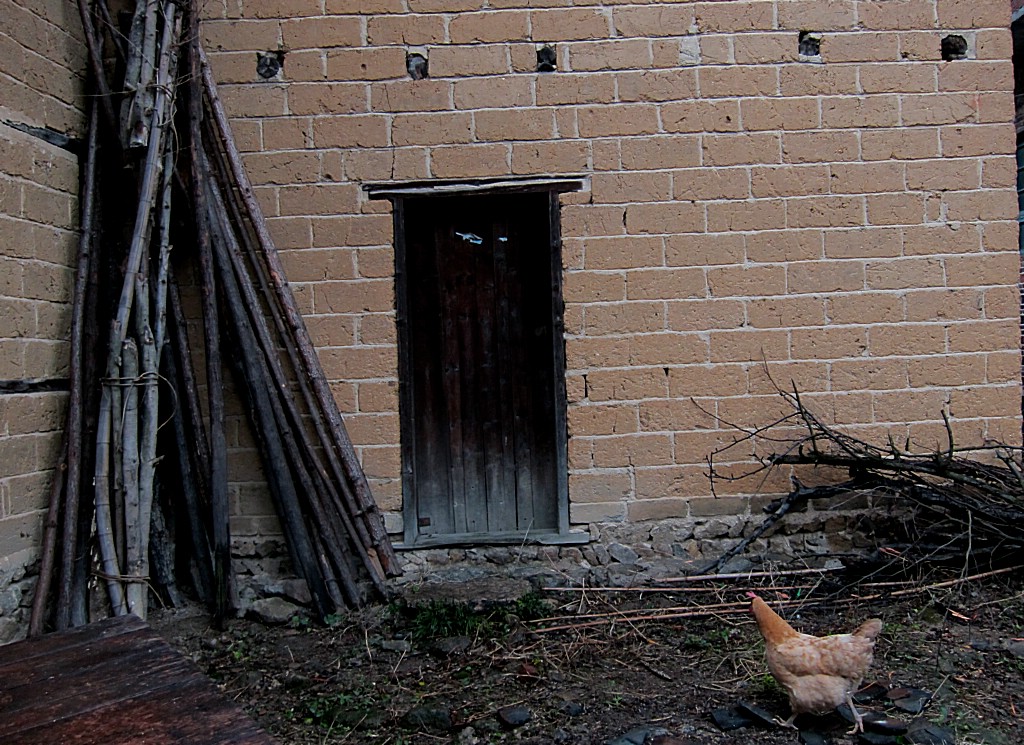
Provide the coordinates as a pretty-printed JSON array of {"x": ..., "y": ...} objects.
[
  {"x": 367, "y": 509},
  {"x": 161, "y": 557},
  {"x": 164, "y": 251},
  {"x": 191, "y": 487},
  {"x": 282, "y": 402},
  {"x": 747, "y": 575},
  {"x": 150, "y": 176},
  {"x": 798, "y": 495},
  {"x": 132, "y": 526},
  {"x": 632, "y": 619},
  {"x": 94, "y": 46},
  {"x": 149, "y": 420},
  {"x": 646, "y": 589},
  {"x": 112, "y": 30},
  {"x": 104, "y": 521},
  {"x": 334, "y": 489},
  {"x": 736, "y": 608},
  {"x": 139, "y": 244},
  {"x": 267, "y": 428},
  {"x": 337, "y": 488},
  {"x": 67, "y": 474},
  {"x": 188, "y": 395},
  {"x": 646, "y": 613},
  {"x": 215, "y": 386}
]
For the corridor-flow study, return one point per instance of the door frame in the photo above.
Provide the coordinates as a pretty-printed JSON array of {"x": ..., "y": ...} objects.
[{"x": 398, "y": 194}]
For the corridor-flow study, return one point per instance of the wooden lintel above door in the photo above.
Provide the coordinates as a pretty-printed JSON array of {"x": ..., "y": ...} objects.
[{"x": 505, "y": 185}]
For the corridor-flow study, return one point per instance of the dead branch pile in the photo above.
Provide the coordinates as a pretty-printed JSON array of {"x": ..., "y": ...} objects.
[
  {"x": 724, "y": 596},
  {"x": 141, "y": 498},
  {"x": 967, "y": 503}
]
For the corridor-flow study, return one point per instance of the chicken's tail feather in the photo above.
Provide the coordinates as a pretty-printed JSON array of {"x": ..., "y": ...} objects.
[{"x": 869, "y": 629}]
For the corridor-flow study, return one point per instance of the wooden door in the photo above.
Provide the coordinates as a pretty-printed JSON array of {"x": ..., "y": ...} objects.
[{"x": 482, "y": 358}]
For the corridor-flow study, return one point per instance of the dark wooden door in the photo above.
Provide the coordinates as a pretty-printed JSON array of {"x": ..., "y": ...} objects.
[{"x": 483, "y": 423}]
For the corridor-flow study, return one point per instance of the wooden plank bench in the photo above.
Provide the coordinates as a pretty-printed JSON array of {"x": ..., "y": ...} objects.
[{"x": 115, "y": 681}]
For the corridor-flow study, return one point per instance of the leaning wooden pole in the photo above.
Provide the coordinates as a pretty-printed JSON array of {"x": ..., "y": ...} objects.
[
  {"x": 95, "y": 47},
  {"x": 367, "y": 509},
  {"x": 221, "y": 533},
  {"x": 332, "y": 516},
  {"x": 252, "y": 331},
  {"x": 67, "y": 475}
]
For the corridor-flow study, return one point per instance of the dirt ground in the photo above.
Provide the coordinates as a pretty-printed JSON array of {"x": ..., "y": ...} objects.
[{"x": 441, "y": 673}]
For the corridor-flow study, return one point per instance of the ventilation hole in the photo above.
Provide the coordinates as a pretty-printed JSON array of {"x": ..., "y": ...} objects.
[
  {"x": 809, "y": 44},
  {"x": 416, "y": 64},
  {"x": 269, "y": 64},
  {"x": 547, "y": 59},
  {"x": 954, "y": 47}
]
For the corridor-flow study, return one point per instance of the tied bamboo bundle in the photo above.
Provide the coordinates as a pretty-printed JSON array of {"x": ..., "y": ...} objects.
[{"x": 140, "y": 498}]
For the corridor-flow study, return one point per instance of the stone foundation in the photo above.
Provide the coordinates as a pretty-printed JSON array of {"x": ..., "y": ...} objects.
[
  {"x": 17, "y": 586},
  {"x": 632, "y": 554}
]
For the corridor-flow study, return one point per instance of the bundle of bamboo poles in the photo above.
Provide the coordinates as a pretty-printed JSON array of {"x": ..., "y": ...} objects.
[{"x": 137, "y": 506}]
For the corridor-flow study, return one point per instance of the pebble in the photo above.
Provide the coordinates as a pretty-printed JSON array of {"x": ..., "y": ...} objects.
[
  {"x": 274, "y": 611},
  {"x": 910, "y": 700},
  {"x": 514, "y": 716},
  {"x": 453, "y": 645},
  {"x": 430, "y": 718},
  {"x": 572, "y": 708},
  {"x": 728, "y": 719},
  {"x": 758, "y": 715},
  {"x": 923, "y": 732},
  {"x": 877, "y": 738},
  {"x": 812, "y": 738},
  {"x": 640, "y": 735}
]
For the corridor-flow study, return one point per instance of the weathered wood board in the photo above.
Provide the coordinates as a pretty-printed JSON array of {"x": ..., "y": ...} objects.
[{"x": 113, "y": 682}]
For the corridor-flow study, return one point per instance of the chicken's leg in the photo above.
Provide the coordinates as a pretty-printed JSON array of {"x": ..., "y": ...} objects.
[
  {"x": 858, "y": 718},
  {"x": 786, "y": 723}
]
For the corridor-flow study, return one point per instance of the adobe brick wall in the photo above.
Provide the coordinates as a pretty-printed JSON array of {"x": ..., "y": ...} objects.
[
  {"x": 40, "y": 86},
  {"x": 847, "y": 222}
]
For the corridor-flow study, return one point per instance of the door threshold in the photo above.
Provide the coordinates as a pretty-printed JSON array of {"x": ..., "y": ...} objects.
[{"x": 572, "y": 538}]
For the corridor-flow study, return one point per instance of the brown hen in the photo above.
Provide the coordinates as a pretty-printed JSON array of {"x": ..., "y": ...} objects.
[{"x": 818, "y": 673}]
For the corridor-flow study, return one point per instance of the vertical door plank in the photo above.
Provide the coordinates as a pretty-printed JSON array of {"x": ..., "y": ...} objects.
[
  {"x": 451, "y": 277},
  {"x": 500, "y": 465}
]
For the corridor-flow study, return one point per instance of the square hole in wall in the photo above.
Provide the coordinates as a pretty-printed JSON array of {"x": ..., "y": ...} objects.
[
  {"x": 809, "y": 46},
  {"x": 954, "y": 47},
  {"x": 547, "y": 59}
]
